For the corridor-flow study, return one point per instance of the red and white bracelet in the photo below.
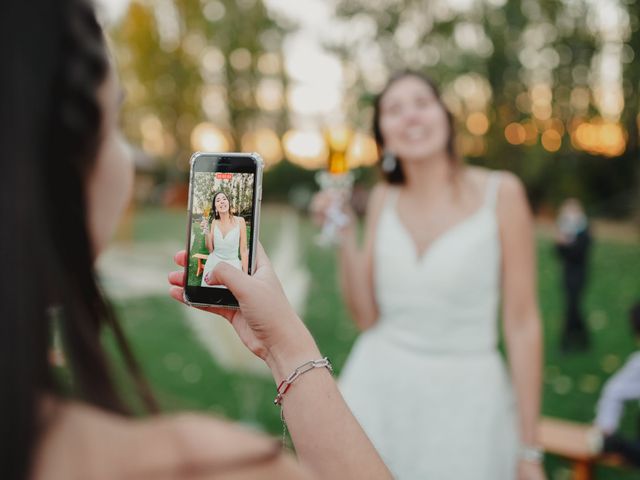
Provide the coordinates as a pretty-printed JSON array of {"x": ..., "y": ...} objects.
[
  {"x": 301, "y": 370},
  {"x": 284, "y": 385}
]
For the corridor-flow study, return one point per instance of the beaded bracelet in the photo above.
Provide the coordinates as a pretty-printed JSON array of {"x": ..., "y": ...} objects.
[{"x": 287, "y": 382}]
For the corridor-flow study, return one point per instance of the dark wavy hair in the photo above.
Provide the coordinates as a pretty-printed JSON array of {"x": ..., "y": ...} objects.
[
  {"x": 216, "y": 215},
  {"x": 54, "y": 60},
  {"x": 396, "y": 176}
]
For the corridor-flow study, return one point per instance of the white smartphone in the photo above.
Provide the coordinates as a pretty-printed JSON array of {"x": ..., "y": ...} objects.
[{"x": 225, "y": 192}]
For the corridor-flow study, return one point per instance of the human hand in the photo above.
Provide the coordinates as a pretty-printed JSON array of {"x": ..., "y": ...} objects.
[
  {"x": 265, "y": 322},
  {"x": 326, "y": 205},
  {"x": 528, "y": 470}
]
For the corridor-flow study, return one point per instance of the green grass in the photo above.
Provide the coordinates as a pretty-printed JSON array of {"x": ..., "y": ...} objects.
[{"x": 185, "y": 375}]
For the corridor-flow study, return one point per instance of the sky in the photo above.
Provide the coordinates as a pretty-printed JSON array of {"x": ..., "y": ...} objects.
[{"x": 317, "y": 75}]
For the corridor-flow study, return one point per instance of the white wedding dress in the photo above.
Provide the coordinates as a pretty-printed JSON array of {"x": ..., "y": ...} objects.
[
  {"x": 225, "y": 249},
  {"x": 427, "y": 382}
]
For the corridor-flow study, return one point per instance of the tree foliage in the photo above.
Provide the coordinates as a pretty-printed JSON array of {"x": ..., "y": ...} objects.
[
  {"x": 183, "y": 62},
  {"x": 507, "y": 49}
]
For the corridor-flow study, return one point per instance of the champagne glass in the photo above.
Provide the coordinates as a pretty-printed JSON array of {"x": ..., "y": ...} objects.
[
  {"x": 205, "y": 216},
  {"x": 338, "y": 180}
]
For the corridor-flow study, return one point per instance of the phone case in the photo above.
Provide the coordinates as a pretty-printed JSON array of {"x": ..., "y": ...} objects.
[{"x": 255, "y": 230}]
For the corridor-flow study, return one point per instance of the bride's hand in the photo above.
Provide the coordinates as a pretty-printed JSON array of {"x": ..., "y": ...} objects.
[
  {"x": 322, "y": 203},
  {"x": 265, "y": 322}
]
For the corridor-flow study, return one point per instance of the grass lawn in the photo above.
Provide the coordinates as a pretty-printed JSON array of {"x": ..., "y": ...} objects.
[
  {"x": 185, "y": 376},
  {"x": 199, "y": 246}
]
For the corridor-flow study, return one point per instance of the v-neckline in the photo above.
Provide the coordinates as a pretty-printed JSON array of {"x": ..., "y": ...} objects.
[
  {"x": 418, "y": 256},
  {"x": 223, "y": 234}
]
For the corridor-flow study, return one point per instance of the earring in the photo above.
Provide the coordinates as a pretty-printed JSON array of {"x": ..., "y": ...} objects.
[{"x": 389, "y": 162}]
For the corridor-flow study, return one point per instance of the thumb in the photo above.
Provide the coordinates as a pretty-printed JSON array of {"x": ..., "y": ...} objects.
[{"x": 233, "y": 278}]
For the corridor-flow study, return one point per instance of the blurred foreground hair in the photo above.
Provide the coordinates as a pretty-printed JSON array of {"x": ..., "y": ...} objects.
[{"x": 54, "y": 60}]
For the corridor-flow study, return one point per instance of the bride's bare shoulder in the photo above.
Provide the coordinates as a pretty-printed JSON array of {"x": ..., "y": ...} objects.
[
  {"x": 86, "y": 442},
  {"x": 477, "y": 174}
]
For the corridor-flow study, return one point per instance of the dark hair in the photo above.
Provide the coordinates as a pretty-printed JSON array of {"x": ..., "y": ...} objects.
[
  {"x": 634, "y": 318},
  {"x": 54, "y": 60},
  {"x": 396, "y": 176},
  {"x": 216, "y": 215}
]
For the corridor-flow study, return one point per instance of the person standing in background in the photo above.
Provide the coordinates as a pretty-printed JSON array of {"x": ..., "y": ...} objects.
[
  {"x": 573, "y": 241},
  {"x": 623, "y": 387}
]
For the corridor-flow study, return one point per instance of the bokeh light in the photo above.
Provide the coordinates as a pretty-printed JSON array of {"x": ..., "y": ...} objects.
[
  {"x": 515, "y": 133},
  {"x": 206, "y": 137},
  {"x": 265, "y": 142},
  {"x": 305, "y": 148},
  {"x": 362, "y": 151},
  {"x": 477, "y": 123},
  {"x": 551, "y": 140}
]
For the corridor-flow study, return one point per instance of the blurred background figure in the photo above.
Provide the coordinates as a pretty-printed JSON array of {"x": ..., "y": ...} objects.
[
  {"x": 573, "y": 242},
  {"x": 620, "y": 389},
  {"x": 427, "y": 303}
]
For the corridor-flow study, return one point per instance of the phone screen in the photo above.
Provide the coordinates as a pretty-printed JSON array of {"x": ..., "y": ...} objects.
[{"x": 222, "y": 223}]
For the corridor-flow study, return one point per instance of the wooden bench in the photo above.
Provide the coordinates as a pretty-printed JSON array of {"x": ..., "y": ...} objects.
[
  {"x": 201, "y": 261},
  {"x": 569, "y": 440}
]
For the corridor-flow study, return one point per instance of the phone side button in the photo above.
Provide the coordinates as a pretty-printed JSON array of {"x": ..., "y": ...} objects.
[{"x": 260, "y": 193}]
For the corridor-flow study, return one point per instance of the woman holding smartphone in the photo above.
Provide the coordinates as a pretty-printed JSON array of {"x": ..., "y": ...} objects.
[
  {"x": 443, "y": 244},
  {"x": 62, "y": 155},
  {"x": 224, "y": 238}
]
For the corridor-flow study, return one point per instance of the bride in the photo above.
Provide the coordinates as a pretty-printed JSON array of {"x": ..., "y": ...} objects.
[
  {"x": 444, "y": 244},
  {"x": 226, "y": 240}
]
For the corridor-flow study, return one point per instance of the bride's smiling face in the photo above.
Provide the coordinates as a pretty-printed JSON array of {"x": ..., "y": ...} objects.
[
  {"x": 413, "y": 121},
  {"x": 222, "y": 203}
]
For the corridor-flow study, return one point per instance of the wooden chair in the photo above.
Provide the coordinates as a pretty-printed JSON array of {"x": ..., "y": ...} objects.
[
  {"x": 570, "y": 441},
  {"x": 201, "y": 261}
]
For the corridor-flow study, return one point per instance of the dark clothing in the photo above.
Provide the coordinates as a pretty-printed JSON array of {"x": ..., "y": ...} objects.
[
  {"x": 628, "y": 449},
  {"x": 574, "y": 256}
]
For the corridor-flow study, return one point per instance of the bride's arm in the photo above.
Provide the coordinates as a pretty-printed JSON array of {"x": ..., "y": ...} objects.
[
  {"x": 244, "y": 252},
  {"x": 356, "y": 265},
  {"x": 208, "y": 237},
  {"x": 521, "y": 317}
]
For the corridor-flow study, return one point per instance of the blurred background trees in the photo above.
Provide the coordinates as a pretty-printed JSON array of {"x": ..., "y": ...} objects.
[
  {"x": 545, "y": 88},
  {"x": 201, "y": 75}
]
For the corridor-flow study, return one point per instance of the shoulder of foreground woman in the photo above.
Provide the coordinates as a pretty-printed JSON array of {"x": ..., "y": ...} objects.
[{"x": 86, "y": 442}]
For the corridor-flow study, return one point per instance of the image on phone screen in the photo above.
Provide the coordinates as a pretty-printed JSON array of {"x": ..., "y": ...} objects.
[{"x": 221, "y": 223}]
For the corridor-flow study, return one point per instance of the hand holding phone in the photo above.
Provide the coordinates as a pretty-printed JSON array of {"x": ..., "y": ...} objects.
[
  {"x": 225, "y": 190},
  {"x": 265, "y": 321}
]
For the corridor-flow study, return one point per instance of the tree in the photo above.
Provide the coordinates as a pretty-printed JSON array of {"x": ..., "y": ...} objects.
[
  {"x": 533, "y": 62},
  {"x": 186, "y": 61}
]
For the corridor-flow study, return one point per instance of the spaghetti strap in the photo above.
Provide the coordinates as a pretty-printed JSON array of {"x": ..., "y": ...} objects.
[
  {"x": 390, "y": 197},
  {"x": 491, "y": 192}
]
